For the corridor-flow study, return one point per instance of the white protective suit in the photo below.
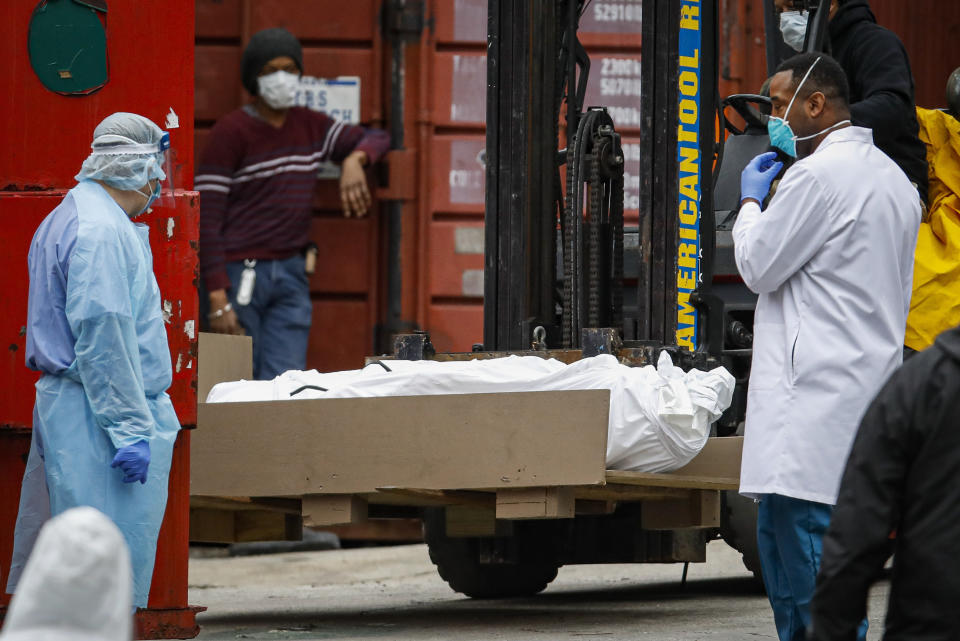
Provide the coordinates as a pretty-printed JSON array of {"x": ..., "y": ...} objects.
[
  {"x": 832, "y": 260},
  {"x": 113, "y": 392},
  {"x": 95, "y": 331},
  {"x": 77, "y": 584}
]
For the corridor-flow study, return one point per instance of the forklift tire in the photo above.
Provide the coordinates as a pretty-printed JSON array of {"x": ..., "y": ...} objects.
[
  {"x": 458, "y": 561},
  {"x": 738, "y": 527}
]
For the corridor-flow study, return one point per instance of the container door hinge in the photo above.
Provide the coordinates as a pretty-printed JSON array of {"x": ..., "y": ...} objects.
[{"x": 405, "y": 19}]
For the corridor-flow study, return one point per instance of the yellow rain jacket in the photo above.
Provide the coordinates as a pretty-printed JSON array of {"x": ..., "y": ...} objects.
[{"x": 935, "y": 305}]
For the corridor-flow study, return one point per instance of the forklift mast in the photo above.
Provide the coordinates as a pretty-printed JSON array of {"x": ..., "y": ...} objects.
[
  {"x": 677, "y": 154},
  {"x": 525, "y": 83},
  {"x": 555, "y": 256},
  {"x": 565, "y": 279}
]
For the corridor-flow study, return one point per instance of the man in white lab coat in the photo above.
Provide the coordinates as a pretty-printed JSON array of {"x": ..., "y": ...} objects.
[{"x": 832, "y": 259}]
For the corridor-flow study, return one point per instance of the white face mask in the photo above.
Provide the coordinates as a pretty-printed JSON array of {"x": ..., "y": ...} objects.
[
  {"x": 793, "y": 26},
  {"x": 151, "y": 197},
  {"x": 279, "y": 89}
]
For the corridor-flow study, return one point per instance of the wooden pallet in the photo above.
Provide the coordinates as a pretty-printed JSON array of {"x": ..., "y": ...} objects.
[{"x": 257, "y": 468}]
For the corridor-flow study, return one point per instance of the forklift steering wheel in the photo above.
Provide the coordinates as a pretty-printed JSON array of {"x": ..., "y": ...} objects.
[{"x": 743, "y": 104}]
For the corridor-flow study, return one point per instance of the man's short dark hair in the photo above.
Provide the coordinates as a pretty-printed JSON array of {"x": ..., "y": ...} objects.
[{"x": 827, "y": 77}]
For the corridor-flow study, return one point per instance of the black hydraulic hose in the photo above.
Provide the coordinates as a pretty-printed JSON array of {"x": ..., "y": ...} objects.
[
  {"x": 395, "y": 207},
  {"x": 580, "y": 159},
  {"x": 616, "y": 229},
  {"x": 573, "y": 108}
]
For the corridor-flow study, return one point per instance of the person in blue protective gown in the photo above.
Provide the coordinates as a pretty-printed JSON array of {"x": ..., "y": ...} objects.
[{"x": 103, "y": 425}]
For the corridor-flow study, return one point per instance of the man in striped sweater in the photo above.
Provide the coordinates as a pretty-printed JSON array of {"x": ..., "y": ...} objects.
[{"x": 256, "y": 180}]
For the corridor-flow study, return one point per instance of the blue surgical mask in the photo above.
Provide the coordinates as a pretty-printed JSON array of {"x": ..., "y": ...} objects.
[
  {"x": 781, "y": 136},
  {"x": 779, "y": 130}
]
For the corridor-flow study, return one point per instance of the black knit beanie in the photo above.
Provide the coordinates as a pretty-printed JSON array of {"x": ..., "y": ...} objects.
[{"x": 264, "y": 46}]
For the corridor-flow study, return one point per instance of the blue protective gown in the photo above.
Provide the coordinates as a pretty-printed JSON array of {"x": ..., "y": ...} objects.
[{"x": 95, "y": 330}]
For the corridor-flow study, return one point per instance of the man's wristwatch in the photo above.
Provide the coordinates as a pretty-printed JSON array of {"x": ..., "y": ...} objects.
[{"x": 220, "y": 312}]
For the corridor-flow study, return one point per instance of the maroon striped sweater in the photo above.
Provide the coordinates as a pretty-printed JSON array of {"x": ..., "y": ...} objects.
[{"x": 256, "y": 184}]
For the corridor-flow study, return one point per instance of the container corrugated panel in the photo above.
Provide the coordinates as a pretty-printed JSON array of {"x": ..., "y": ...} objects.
[
  {"x": 453, "y": 303},
  {"x": 336, "y": 42},
  {"x": 46, "y": 136},
  {"x": 930, "y": 30}
]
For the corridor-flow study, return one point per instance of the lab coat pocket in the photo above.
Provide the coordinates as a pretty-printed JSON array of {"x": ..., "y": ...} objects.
[
  {"x": 768, "y": 364},
  {"x": 795, "y": 352}
]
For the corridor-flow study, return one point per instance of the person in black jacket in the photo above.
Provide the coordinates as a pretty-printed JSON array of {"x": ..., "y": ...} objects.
[
  {"x": 881, "y": 84},
  {"x": 900, "y": 493}
]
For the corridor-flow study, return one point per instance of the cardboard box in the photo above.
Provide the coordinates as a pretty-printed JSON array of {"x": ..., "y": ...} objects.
[{"x": 356, "y": 445}]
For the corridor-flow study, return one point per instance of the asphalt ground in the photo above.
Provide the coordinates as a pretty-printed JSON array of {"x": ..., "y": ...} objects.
[{"x": 395, "y": 593}]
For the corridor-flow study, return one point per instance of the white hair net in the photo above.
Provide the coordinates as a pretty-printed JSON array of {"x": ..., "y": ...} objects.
[
  {"x": 77, "y": 585},
  {"x": 127, "y": 152}
]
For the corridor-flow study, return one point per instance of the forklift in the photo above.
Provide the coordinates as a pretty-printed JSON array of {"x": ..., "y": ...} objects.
[{"x": 564, "y": 278}]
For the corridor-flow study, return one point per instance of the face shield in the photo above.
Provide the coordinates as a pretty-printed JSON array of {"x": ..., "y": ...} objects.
[
  {"x": 166, "y": 164},
  {"x": 128, "y": 165}
]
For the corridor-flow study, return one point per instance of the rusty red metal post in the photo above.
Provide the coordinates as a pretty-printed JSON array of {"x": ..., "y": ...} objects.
[{"x": 46, "y": 137}]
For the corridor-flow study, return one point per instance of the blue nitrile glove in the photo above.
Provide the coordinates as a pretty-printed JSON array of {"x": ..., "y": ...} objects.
[
  {"x": 134, "y": 461},
  {"x": 757, "y": 176}
]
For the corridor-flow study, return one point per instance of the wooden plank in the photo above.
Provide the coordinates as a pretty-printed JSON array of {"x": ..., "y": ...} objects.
[
  {"x": 222, "y": 358},
  {"x": 536, "y": 503},
  {"x": 471, "y": 520},
  {"x": 436, "y": 498},
  {"x": 672, "y": 481},
  {"x": 716, "y": 467},
  {"x": 720, "y": 457},
  {"x": 337, "y": 509},
  {"x": 235, "y": 526},
  {"x": 350, "y": 446},
  {"x": 238, "y": 503},
  {"x": 381, "y": 530},
  {"x": 592, "y": 507},
  {"x": 612, "y": 492},
  {"x": 409, "y": 496},
  {"x": 700, "y": 510},
  {"x": 211, "y": 526},
  {"x": 266, "y": 526}
]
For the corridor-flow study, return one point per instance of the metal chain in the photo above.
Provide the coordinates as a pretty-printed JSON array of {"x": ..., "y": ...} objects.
[
  {"x": 567, "y": 233},
  {"x": 593, "y": 230}
]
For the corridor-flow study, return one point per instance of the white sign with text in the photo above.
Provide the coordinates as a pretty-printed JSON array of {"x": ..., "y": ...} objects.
[{"x": 338, "y": 98}]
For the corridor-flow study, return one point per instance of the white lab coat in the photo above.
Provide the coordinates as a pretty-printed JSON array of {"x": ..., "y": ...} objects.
[{"x": 832, "y": 260}]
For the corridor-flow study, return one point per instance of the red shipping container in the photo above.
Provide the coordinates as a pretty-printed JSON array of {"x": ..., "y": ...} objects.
[{"x": 46, "y": 137}]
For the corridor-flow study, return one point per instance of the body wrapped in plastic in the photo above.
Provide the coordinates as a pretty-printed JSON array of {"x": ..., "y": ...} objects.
[{"x": 659, "y": 417}]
